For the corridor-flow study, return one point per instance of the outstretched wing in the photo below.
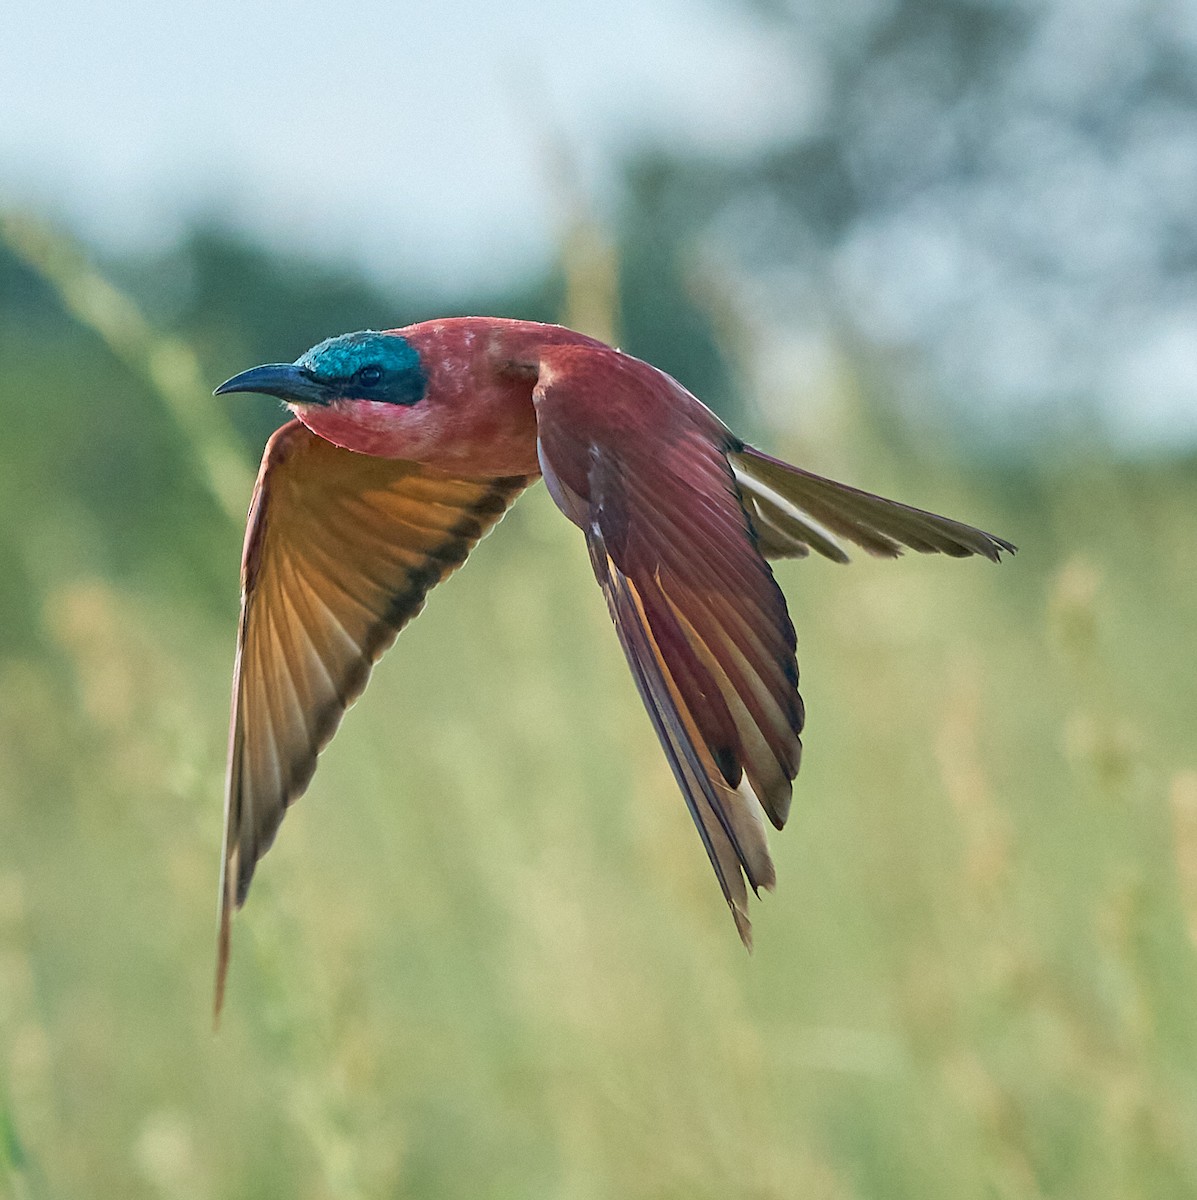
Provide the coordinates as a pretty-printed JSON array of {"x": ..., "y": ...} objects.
[
  {"x": 642, "y": 469},
  {"x": 340, "y": 551}
]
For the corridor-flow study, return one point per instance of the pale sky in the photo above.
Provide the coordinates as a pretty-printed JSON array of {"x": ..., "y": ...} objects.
[
  {"x": 414, "y": 140},
  {"x": 409, "y": 137}
]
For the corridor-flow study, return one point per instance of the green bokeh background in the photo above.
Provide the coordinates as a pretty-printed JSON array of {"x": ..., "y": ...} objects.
[{"x": 486, "y": 956}]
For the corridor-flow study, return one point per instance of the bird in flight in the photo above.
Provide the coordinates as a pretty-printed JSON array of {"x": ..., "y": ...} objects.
[{"x": 409, "y": 445}]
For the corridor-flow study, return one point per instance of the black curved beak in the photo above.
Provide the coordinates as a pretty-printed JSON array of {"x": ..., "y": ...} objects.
[{"x": 285, "y": 380}]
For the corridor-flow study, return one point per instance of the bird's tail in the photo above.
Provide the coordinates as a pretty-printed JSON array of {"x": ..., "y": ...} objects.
[{"x": 794, "y": 512}]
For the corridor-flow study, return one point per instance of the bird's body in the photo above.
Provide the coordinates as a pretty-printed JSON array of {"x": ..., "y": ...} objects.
[
  {"x": 477, "y": 415},
  {"x": 410, "y": 445}
]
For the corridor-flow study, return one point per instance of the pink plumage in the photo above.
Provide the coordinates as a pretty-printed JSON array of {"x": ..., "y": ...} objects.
[{"x": 408, "y": 448}]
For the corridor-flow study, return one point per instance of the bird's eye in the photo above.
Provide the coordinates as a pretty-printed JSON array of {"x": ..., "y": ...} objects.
[{"x": 369, "y": 376}]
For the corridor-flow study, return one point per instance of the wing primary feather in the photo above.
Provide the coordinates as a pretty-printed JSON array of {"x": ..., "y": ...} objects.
[
  {"x": 771, "y": 763},
  {"x": 679, "y": 748},
  {"x": 667, "y": 698},
  {"x": 693, "y": 680},
  {"x": 771, "y": 678},
  {"x": 679, "y": 693}
]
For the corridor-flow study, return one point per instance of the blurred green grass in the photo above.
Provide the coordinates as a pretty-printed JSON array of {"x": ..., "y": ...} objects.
[{"x": 486, "y": 956}]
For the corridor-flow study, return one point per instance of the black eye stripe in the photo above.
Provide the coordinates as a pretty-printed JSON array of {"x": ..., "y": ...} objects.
[{"x": 369, "y": 375}]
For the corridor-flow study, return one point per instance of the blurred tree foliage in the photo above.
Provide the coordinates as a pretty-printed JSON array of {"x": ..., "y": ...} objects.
[{"x": 999, "y": 190}]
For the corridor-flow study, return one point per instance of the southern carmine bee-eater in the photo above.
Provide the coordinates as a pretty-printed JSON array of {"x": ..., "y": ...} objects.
[{"x": 409, "y": 446}]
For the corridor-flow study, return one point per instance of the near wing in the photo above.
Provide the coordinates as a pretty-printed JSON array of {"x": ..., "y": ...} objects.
[
  {"x": 340, "y": 551},
  {"x": 703, "y": 625}
]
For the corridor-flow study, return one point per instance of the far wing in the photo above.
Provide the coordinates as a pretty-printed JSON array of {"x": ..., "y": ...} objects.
[
  {"x": 340, "y": 551},
  {"x": 702, "y": 623}
]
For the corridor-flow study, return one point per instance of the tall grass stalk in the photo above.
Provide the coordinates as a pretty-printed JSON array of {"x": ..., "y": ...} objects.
[{"x": 168, "y": 364}]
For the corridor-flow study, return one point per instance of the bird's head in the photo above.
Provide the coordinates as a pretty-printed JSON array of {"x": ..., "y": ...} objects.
[
  {"x": 440, "y": 393},
  {"x": 379, "y": 367}
]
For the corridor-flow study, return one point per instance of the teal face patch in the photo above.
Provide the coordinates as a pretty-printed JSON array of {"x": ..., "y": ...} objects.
[{"x": 368, "y": 366}]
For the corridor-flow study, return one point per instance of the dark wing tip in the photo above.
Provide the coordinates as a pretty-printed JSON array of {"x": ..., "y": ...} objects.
[{"x": 988, "y": 545}]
